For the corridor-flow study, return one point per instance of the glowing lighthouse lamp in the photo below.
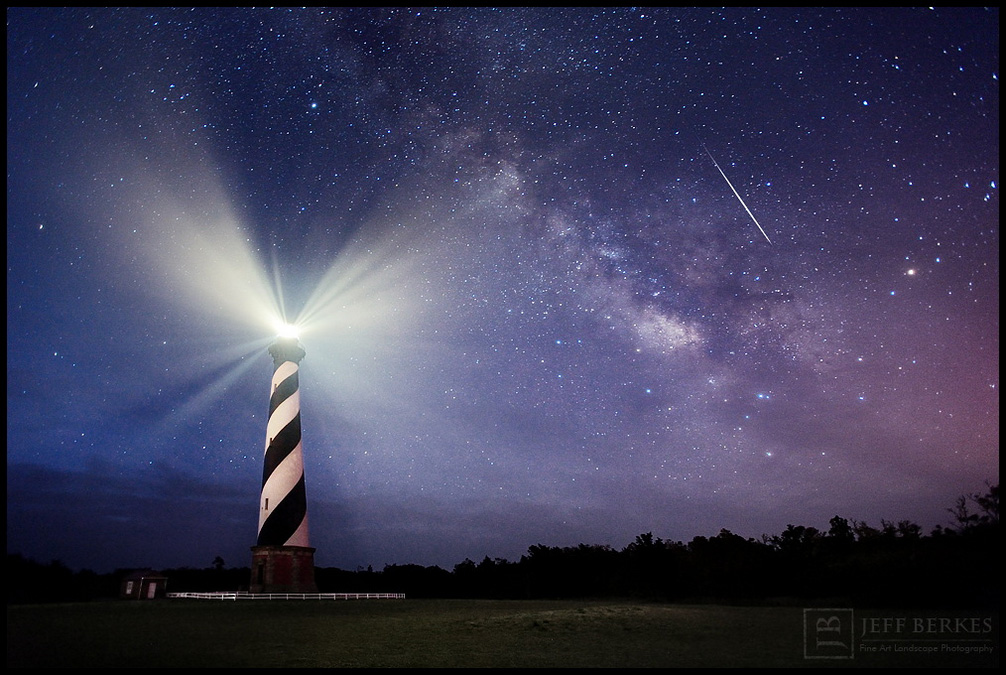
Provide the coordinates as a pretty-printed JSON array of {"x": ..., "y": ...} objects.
[{"x": 283, "y": 560}]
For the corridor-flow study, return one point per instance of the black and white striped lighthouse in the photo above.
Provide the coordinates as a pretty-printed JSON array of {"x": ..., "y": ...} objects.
[{"x": 283, "y": 560}]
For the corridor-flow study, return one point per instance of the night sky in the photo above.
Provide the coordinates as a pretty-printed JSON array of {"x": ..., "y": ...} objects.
[{"x": 534, "y": 309}]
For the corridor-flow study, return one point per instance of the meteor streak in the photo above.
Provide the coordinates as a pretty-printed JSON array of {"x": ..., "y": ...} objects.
[{"x": 737, "y": 194}]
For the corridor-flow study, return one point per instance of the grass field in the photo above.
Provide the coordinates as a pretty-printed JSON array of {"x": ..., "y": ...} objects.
[{"x": 417, "y": 633}]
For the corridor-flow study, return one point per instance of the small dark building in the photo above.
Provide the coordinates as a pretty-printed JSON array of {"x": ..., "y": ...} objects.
[{"x": 143, "y": 585}]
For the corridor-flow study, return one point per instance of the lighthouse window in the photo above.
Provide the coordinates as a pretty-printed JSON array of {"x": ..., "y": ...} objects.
[{"x": 266, "y": 503}]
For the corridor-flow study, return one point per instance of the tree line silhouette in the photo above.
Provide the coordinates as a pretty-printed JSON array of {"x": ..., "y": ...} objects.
[{"x": 852, "y": 562}]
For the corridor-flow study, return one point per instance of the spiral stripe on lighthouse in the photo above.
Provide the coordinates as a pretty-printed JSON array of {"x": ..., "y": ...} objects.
[{"x": 283, "y": 506}]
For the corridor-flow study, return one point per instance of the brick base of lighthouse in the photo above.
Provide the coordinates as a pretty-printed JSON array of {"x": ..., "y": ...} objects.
[{"x": 282, "y": 569}]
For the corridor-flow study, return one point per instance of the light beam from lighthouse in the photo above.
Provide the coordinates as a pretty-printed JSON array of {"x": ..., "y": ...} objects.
[{"x": 283, "y": 560}]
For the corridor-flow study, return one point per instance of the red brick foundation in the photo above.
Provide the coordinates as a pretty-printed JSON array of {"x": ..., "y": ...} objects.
[{"x": 282, "y": 569}]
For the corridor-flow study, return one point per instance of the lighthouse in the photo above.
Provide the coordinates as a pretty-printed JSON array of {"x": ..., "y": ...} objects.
[{"x": 282, "y": 559}]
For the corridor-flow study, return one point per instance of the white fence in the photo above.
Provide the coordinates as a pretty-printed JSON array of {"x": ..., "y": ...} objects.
[{"x": 289, "y": 596}]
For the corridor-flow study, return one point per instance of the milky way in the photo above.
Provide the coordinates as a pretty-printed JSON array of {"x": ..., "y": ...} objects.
[{"x": 533, "y": 310}]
